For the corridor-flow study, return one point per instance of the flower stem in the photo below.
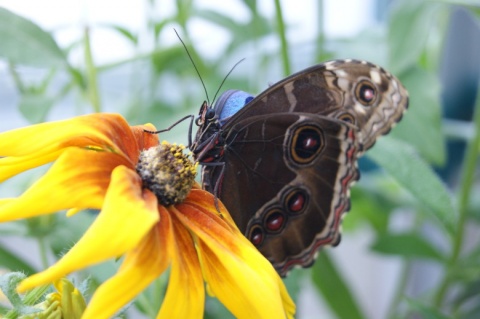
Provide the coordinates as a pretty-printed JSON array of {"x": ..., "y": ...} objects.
[
  {"x": 283, "y": 38},
  {"x": 320, "y": 55},
  {"x": 469, "y": 164},
  {"x": 43, "y": 251},
  {"x": 92, "y": 84}
]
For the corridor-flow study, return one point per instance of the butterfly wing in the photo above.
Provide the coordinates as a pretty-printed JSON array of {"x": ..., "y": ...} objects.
[
  {"x": 283, "y": 162},
  {"x": 286, "y": 182},
  {"x": 358, "y": 92}
]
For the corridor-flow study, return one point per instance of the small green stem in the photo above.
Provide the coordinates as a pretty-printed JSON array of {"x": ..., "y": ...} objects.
[
  {"x": 469, "y": 163},
  {"x": 147, "y": 306},
  {"x": 283, "y": 38},
  {"x": 43, "y": 252},
  {"x": 320, "y": 31},
  {"x": 92, "y": 84},
  {"x": 16, "y": 78},
  {"x": 400, "y": 290}
]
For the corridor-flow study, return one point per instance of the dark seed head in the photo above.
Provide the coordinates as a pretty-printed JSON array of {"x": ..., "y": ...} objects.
[{"x": 167, "y": 172}]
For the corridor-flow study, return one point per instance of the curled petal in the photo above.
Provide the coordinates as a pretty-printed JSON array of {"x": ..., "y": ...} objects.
[
  {"x": 39, "y": 144},
  {"x": 237, "y": 274},
  {"x": 144, "y": 140},
  {"x": 72, "y": 182},
  {"x": 140, "y": 267},
  {"x": 127, "y": 216},
  {"x": 185, "y": 295},
  {"x": 11, "y": 166}
]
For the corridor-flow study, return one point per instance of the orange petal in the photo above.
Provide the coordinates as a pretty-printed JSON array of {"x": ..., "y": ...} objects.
[
  {"x": 201, "y": 200},
  {"x": 127, "y": 216},
  {"x": 140, "y": 267},
  {"x": 186, "y": 280},
  {"x": 11, "y": 166},
  {"x": 145, "y": 140},
  {"x": 39, "y": 144},
  {"x": 237, "y": 274},
  {"x": 78, "y": 179}
]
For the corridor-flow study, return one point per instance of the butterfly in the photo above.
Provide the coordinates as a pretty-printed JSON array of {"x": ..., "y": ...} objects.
[{"x": 283, "y": 162}]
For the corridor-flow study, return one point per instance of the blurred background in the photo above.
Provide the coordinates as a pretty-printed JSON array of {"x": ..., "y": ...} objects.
[{"x": 410, "y": 245}]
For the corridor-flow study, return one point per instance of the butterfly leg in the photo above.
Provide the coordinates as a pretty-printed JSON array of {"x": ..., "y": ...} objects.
[
  {"x": 190, "y": 128},
  {"x": 207, "y": 179}
]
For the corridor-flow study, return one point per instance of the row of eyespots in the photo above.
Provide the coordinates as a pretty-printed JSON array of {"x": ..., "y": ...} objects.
[{"x": 275, "y": 219}]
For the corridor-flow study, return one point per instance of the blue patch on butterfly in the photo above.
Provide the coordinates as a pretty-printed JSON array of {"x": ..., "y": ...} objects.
[{"x": 230, "y": 102}]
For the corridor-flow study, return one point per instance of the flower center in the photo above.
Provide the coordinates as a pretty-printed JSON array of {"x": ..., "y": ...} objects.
[{"x": 167, "y": 172}]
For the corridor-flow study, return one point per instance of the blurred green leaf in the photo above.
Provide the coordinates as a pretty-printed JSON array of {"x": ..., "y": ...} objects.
[
  {"x": 159, "y": 26},
  {"x": 331, "y": 285},
  {"x": 294, "y": 282},
  {"x": 410, "y": 24},
  {"x": 23, "y": 42},
  {"x": 468, "y": 3},
  {"x": 425, "y": 311},
  {"x": 214, "y": 309},
  {"x": 409, "y": 245},
  {"x": 421, "y": 124},
  {"x": 68, "y": 230},
  {"x": 8, "y": 283},
  {"x": 243, "y": 33},
  {"x": 184, "y": 11},
  {"x": 174, "y": 59},
  {"x": 251, "y": 4},
  {"x": 473, "y": 312},
  {"x": 367, "y": 207},
  {"x": 127, "y": 34},
  {"x": 14, "y": 263},
  {"x": 471, "y": 291},
  {"x": 35, "y": 107},
  {"x": 401, "y": 162}
]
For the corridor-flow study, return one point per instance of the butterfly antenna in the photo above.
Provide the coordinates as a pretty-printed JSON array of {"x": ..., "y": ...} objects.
[
  {"x": 225, "y": 78},
  {"x": 191, "y": 60}
]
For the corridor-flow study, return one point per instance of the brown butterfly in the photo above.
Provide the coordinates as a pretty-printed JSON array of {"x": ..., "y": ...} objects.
[{"x": 283, "y": 162}]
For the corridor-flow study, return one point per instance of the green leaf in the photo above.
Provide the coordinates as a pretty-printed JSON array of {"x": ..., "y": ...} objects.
[
  {"x": 407, "y": 245},
  {"x": 410, "y": 23},
  {"x": 127, "y": 34},
  {"x": 425, "y": 311},
  {"x": 23, "y": 42},
  {"x": 35, "y": 107},
  {"x": 335, "y": 291},
  {"x": 470, "y": 292},
  {"x": 369, "y": 207},
  {"x": 473, "y": 312},
  {"x": 402, "y": 163},
  {"x": 8, "y": 284},
  {"x": 294, "y": 282},
  {"x": 243, "y": 32},
  {"x": 11, "y": 261},
  {"x": 468, "y": 3},
  {"x": 421, "y": 124}
]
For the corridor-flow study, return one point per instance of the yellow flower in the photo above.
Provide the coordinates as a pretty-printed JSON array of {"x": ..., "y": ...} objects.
[{"x": 95, "y": 166}]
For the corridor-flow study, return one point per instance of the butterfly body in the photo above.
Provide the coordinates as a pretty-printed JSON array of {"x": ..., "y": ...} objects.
[{"x": 283, "y": 162}]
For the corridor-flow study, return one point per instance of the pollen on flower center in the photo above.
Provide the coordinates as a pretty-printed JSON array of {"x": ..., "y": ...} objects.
[{"x": 167, "y": 172}]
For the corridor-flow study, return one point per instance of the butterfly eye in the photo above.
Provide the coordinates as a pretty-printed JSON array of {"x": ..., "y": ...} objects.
[
  {"x": 366, "y": 92},
  {"x": 248, "y": 99},
  {"x": 347, "y": 117},
  {"x": 210, "y": 114}
]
